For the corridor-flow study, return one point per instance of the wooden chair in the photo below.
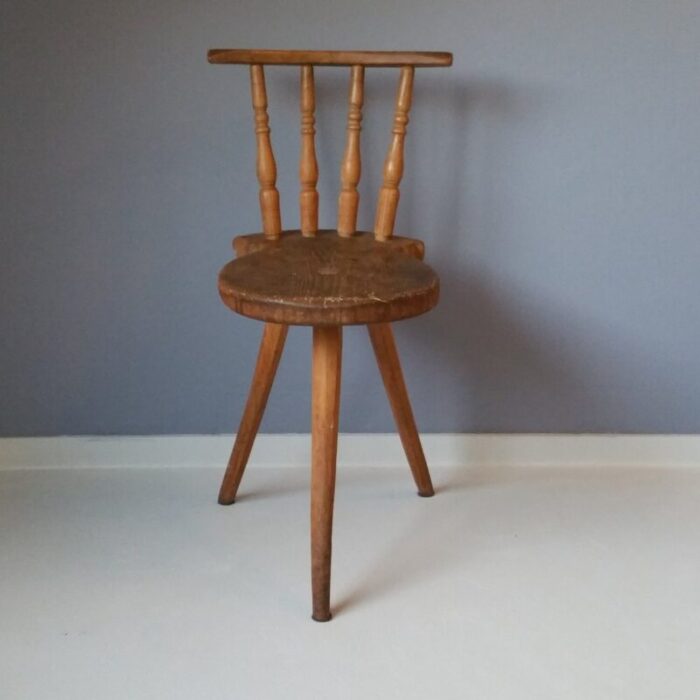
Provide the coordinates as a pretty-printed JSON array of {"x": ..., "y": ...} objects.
[{"x": 327, "y": 279}]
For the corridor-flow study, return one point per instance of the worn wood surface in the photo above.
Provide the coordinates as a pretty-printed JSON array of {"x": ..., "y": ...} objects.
[
  {"x": 266, "y": 166},
  {"x": 308, "y": 166},
  {"x": 325, "y": 402},
  {"x": 254, "y": 242},
  {"x": 388, "y": 201},
  {"x": 384, "y": 345},
  {"x": 351, "y": 168},
  {"x": 328, "y": 280},
  {"x": 423, "y": 59},
  {"x": 271, "y": 347}
]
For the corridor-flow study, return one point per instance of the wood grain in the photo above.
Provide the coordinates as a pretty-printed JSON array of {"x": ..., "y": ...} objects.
[
  {"x": 266, "y": 166},
  {"x": 422, "y": 59},
  {"x": 384, "y": 345},
  {"x": 254, "y": 242},
  {"x": 325, "y": 402},
  {"x": 271, "y": 347},
  {"x": 393, "y": 165},
  {"x": 308, "y": 166},
  {"x": 351, "y": 168},
  {"x": 328, "y": 280}
]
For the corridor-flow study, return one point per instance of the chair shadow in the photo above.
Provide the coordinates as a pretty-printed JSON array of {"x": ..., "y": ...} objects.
[
  {"x": 412, "y": 556},
  {"x": 434, "y": 544},
  {"x": 428, "y": 547}
]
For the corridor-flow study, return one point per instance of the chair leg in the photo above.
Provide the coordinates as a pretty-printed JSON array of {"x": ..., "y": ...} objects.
[
  {"x": 382, "y": 338},
  {"x": 269, "y": 355},
  {"x": 325, "y": 392}
]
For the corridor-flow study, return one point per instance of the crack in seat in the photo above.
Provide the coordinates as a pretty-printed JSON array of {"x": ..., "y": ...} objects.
[{"x": 328, "y": 279}]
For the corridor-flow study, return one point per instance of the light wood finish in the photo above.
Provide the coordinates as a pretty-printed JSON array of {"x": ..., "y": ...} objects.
[
  {"x": 271, "y": 347},
  {"x": 328, "y": 280},
  {"x": 308, "y": 166},
  {"x": 384, "y": 345},
  {"x": 325, "y": 402},
  {"x": 351, "y": 169},
  {"x": 266, "y": 166},
  {"x": 393, "y": 165},
  {"x": 423, "y": 59}
]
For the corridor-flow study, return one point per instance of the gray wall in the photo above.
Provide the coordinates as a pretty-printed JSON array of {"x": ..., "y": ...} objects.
[{"x": 553, "y": 171}]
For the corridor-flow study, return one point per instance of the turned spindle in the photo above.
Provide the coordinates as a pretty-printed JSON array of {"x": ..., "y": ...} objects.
[
  {"x": 265, "y": 163},
  {"x": 308, "y": 166},
  {"x": 350, "y": 170},
  {"x": 393, "y": 164}
]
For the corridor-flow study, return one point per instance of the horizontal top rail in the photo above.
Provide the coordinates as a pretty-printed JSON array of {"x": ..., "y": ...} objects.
[{"x": 419, "y": 59}]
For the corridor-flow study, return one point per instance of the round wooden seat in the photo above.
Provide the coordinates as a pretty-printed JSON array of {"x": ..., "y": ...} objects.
[{"x": 328, "y": 280}]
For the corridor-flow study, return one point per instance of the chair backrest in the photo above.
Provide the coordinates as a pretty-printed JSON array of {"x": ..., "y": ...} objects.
[{"x": 349, "y": 197}]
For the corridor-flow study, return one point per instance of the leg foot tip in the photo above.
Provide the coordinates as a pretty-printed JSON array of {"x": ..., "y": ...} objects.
[
  {"x": 226, "y": 501},
  {"x": 426, "y": 494},
  {"x": 319, "y": 618}
]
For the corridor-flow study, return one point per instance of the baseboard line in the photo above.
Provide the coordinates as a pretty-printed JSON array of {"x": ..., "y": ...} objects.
[{"x": 354, "y": 450}]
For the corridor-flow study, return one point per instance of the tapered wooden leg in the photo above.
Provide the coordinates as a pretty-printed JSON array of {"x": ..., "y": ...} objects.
[
  {"x": 382, "y": 338},
  {"x": 269, "y": 355},
  {"x": 325, "y": 392}
]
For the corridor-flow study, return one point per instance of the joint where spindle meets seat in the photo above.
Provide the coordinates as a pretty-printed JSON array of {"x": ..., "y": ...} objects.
[{"x": 328, "y": 278}]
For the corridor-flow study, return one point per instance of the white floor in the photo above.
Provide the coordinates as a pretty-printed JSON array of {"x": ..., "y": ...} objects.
[{"x": 522, "y": 583}]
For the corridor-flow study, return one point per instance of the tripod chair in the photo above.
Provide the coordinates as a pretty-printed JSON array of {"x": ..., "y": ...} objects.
[{"x": 327, "y": 279}]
